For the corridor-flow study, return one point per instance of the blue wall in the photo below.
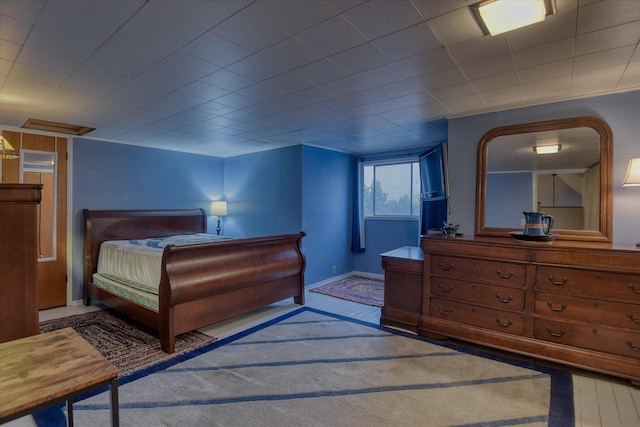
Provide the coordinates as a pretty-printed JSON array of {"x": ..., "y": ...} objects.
[
  {"x": 264, "y": 193},
  {"x": 326, "y": 214},
  {"x": 117, "y": 176}
]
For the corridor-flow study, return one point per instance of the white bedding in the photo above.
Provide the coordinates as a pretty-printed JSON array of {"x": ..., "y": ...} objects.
[{"x": 137, "y": 263}]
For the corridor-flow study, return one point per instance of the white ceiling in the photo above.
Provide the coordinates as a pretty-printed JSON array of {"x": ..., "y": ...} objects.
[{"x": 225, "y": 78}]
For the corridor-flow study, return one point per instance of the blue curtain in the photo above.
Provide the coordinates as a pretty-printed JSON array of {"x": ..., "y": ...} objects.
[{"x": 357, "y": 233}]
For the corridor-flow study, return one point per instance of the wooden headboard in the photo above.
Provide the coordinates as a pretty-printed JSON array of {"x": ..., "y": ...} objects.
[{"x": 100, "y": 226}]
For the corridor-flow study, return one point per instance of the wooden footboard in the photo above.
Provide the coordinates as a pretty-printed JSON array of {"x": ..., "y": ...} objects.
[{"x": 200, "y": 284}]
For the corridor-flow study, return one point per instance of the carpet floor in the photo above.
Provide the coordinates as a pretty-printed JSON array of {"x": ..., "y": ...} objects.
[
  {"x": 360, "y": 289},
  {"x": 129, "y": 346},
  {"x": 313, "y": 368}
]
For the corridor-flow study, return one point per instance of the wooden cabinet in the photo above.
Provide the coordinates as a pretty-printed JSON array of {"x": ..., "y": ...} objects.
[
  {"x": 18, "y": 260},
  {"x": 573, "y": 303},
  {"x": 402, "y": 287}
]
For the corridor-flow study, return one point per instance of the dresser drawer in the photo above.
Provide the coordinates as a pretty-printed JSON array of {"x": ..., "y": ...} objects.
[
  {"x": 478, "y": 293},
  {"x": 502, "y": 273},
  {"x": 601, "y": 312},
  {"x": 498, "y": 320},
  {"x": 587, "y": 283},
  {"x": 616, "y": 341}
]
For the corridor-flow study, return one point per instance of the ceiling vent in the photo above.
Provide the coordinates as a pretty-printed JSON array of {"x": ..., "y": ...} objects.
[{"x": 56, "y": 127}]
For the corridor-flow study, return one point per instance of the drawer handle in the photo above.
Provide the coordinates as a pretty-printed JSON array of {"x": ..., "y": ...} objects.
[
  {"x": 505, "y": 324},
  {"x": 632, "y": 347},
  {"x": 561, "y": 308},
  {"x": 445, "y": 311},
  {"x": 564, "y": 280},
  {"x": 504, "y": 276},
  {"x": 556, "y": 334},
  {"x": 630, "y": 316},
  {"x": 443, "y": 289},
  {"x": 445, "y": 267},
  {"x": 633, "y": 288},
  {"x": 503, "y": 300}
]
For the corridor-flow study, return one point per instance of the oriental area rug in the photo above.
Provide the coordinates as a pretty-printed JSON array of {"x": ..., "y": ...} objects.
[
  {"x": 314, "y": 368},
  {"x": 360, "y": 289},
  {"x": 129, "y": 346}
]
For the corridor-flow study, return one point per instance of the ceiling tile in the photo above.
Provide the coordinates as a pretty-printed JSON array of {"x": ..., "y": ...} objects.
[
  {"x": 596, "y": 60},
  {"x": 631, "y": 76},
  {"x": 554, "y": 27},
  {"x": 479, "y": 48},
  {"x": 545, "y": 53},
  {"x": 409, "y": 41},
  {"x": 609, "y": 38},
  {"x": 214, "y": 49},
  {"x": 547, "y": 88},
  {"x": 456, "y": 26},
  {"x": 603, "y": 14},
  {"x": 249, "y": 31},
  {"x": 546, "y": 71},
  {"x": 511, "y": 95},
  {"x": 227, "y": 79},
  {"x": 238, "y": 76},
  {"x": 289, "y": 54},
  {"x": 293, "y": 16},
  {"x": 13, "y": 30},
  {"x": 321, "y": 72},
  {"x": 453, "y": 92},
  {"x": 488, "y": 66},
  {"x": 496, "y": 81},
  {"x": 255, "y": 68},
  {"x": 442, "y": 78},
  {"x": 331, "y": 36},
  {"x": 360, "y": 58},
  {"x": 596, "y": 81},
  {"x": 377, "y": 18}
]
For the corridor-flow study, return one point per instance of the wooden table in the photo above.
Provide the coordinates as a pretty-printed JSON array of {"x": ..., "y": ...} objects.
[{"x": 42, "y": 370}]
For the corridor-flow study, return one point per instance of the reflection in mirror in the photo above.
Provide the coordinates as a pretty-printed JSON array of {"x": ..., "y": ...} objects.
[
  {"x": 564, "y": 184},
  {"x": 38, "y": 167},
  {"x": 573, "y": 184}
]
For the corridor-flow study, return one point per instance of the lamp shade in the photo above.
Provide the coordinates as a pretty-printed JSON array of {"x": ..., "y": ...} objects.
[
  {"x": 219, "y": 208},
  {"x": 633, "y": 173},
  {"x": 6, "y": 149}
]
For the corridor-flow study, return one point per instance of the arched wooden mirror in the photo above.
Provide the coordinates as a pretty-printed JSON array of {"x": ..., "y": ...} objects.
[{"x": 573, "y": 185}]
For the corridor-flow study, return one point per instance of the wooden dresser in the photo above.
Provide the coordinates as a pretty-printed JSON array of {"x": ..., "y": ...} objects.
[
  {"x": 572, "y": 303},
  {"x": 18, "y": 260}
]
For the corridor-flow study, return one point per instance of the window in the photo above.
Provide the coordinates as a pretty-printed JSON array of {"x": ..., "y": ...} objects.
[{"x": 391, "y": 189}]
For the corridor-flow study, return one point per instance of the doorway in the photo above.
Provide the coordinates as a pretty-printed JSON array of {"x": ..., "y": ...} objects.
[{"x": 43, "y": 160}]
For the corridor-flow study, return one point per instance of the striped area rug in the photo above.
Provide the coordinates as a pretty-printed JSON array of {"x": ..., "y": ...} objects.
[
  {"x": 360, "y": 289},
  {"x": 129, "y": 346},
  {"x": 312, "y": 368}
]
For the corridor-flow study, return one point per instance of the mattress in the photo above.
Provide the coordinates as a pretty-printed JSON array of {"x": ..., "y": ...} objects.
[{"x": 137, "y": 263}]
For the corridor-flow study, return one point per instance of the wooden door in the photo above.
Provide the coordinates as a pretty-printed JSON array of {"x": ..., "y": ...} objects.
[{"x": 52, "y": 263}]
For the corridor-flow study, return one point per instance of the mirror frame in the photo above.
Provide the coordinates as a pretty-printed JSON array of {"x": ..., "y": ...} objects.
[{"x": 606, "y": 193}]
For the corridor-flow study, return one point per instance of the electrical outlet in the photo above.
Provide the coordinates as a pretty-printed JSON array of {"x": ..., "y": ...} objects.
[
  {"x": 333, "y": 269},
  {"x": 523, "y": 221}
]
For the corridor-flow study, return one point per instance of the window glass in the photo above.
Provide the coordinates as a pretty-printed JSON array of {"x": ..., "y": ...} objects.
[{"x": 391, "y": 189}]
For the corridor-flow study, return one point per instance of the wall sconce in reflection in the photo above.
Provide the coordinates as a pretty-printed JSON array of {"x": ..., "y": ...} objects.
[
  {"x": 6, "y": 149},
  {"x": 633, "y": 173},
  {"x": 219, "y": 208}
]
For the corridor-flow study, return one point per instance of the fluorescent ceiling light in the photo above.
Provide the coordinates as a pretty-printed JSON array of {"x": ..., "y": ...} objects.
[
  {"x": 499, "y": 16},
  {"x": 547, "y": 149}
]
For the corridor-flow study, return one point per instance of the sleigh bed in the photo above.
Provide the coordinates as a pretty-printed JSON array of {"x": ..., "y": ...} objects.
[{"x": 199, "y": 283}]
